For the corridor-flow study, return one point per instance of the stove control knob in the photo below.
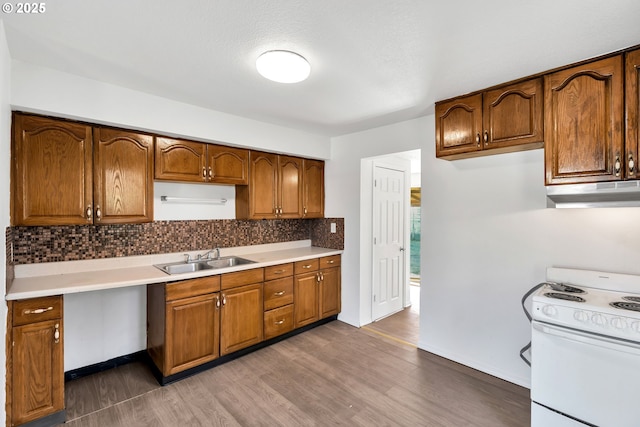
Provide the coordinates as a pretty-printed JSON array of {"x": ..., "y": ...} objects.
[
  {"x": 549, "y": 310},
  {"x": 635, "y": 326},
  {"x": 581, "y": 316},
  {"x": 599, "y": 320},
  {"x": 618, "y": 323}
]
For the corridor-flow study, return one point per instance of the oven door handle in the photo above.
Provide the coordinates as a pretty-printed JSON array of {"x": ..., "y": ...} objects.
[{"x": 588, "y": 338}]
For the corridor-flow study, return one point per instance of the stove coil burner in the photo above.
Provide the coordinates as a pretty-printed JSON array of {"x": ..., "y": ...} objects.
[
  {"x": 565, "y": 297},
  {"x": 633, "y": 306},
  {"x": 632, "y": 299},
  {"x": 561, "y": 287}
]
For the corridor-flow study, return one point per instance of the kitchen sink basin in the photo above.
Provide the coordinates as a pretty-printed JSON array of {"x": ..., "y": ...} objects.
[
  {"x": 205, "y": 264},
  {"x": 228, "y": 261}
]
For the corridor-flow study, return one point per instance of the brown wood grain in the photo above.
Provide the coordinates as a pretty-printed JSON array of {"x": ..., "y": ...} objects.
[
  {"x": 278, "y": 321},
  {"x": 192, "y": 287},
  {"x": 290, "y": 172},
  {"x": 584, "y": 115},
  {"x": 459, "y": 126},
  {"x": 305, "y": 293},
  {"x": 180, "y": 160},
  {"x": 278, "y": 271},
  {"x": 227, "y": 165},
  {"x": 241, "y": 318},
  {"x": 278, "y": 292},
  {"x": 329, "y": 292},
  {"x": 313, "y": 205},
  {"x": 632, "y": 103}
]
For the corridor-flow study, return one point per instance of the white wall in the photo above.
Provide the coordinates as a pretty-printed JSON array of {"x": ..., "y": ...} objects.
[
  {"x": 43, "y": 90},
  {"x": 487, "y": 238},
  {"x": 100, "y": 326},
  {"x": 5, "y": 156},
  {"x": 343, "y": 198}
]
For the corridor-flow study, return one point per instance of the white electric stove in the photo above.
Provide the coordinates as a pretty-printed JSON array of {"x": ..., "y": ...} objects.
[{"x": 585, "y": 351}]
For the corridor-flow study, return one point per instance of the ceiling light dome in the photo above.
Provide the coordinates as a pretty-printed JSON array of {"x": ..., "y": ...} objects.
[{"x": 283, "y": 66}]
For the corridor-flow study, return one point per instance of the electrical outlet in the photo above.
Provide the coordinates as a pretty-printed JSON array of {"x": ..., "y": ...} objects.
[{"x": 333, "y": 227}]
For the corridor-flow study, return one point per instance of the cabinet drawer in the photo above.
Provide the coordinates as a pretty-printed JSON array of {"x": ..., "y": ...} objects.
[
  {"x": 192, "y": 287},
  {"x": 307, "y": 266},
  {"x": 240, "y": 278},
  {"x": 278, "y": 271},
  {"x": 330, "y": 261},
  {"x": 278, "y": 321},
  {"x": 36, "y": 310},
  {"x": 278, "y": 293}
]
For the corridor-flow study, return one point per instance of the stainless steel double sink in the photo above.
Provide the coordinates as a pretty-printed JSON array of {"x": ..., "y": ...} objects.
[{"x": 205, "y": 264}]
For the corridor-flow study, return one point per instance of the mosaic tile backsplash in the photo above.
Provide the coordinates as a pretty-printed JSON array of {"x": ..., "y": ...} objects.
[{"x": 79, "y": 242}]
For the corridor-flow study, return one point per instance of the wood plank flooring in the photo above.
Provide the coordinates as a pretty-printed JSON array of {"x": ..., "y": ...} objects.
[
  {"x": 403, "y": 326},
  {"x": 332, "y": 375}
]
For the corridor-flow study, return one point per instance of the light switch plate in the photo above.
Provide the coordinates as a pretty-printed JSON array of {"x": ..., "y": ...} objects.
[{"x": 333, "y": 227}]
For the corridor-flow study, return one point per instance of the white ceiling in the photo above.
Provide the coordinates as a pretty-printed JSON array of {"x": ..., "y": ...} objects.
[{"x": 374, "y": 62}]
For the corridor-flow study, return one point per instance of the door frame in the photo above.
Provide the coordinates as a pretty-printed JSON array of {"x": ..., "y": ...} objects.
[{"x": 392, "y": 161}]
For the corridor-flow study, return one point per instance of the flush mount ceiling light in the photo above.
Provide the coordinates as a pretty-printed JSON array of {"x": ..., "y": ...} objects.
[{"x": 283, "y": 66}]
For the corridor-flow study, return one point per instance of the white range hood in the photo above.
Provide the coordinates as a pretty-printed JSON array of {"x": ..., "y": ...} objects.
[{"x": 595, "y": 195}]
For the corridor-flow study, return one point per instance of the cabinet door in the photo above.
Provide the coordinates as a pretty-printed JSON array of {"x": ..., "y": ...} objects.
[
  {"x": 178, "y": 160},
  {"x": 329, "y": 292},
  {"x": 192, "y": 334},
  {"x": 632, "y": 94},
  {"x": 52, "y": 171},
  {"x": 241, "y": 318},
  {"x": 583, "y": 123},
  {"x": 513, "y": 115},
  {"x": 458, "y": 126},
  {"x": 38, "y": 372},
  {"x": 313, "y": 189},
  {"x": 227, "y": 165},
  {"x": 305, "y": 298},
  {"x": 263, "y": 179},
  {"x": 290, "y": 187},
  {"x": 123, "y": 176}
]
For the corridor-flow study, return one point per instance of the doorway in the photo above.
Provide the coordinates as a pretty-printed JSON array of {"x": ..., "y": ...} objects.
[{"x": 404, "y": 324}]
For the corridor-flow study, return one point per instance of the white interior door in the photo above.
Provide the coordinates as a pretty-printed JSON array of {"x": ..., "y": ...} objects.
[{"x": 388, "y": 240}]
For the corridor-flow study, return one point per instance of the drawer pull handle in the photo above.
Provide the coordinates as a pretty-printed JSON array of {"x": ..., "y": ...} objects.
[
  {"x": 56, "y": 333},
  {"x": 279, "y": 294},
  {"x": 278, "y": 271},
  {"x": 306, "y": 266},
  {"x": 279, "y": 322},
  {"x": 330, "y": 262},
  {"x": 37, "y": 310}
]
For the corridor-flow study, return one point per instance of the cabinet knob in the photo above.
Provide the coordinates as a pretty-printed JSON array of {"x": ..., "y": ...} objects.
[
  {"x": 98, "y": 213},
  {"x": 617, "y": 165},
  {"x": 204, "y": 173},
  {"x": 279, "y": 294},
  {"x": 89, "y": 212},
  {"x": 56, "y": 333},
  {"x": 279, "y": 322},
  {"x": 224, "y": 300},
  {"x": 632, "y": 165},
  {"x": 217, "y": 302},
  {"x": 478, "y": 139},
  {"x": 486, "y": 138},
  {"x": 210, "y": 173}
]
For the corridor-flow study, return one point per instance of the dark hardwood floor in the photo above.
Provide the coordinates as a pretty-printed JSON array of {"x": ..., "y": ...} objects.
[{"x": 332, "y": 375}]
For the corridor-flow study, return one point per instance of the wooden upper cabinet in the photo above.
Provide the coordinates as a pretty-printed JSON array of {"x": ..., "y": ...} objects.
[
  {"x": 632, "y": 97},
  {"x": 275, "y": 188},
  {"x": 123, "y": 176},
  {"x": 500, "y": 120},
  {"x": 289, "y": 200},
  {"x": 51, "y": 171},
  {"x": 65, "y": 172},
  {"x": 513, "y": 115},
  {"x": 227, "y": 165},
  {"x": 584, "y": 123},
  {"x": 458, "y": 126},
  {"x": 178, "y": 160},
  {"x": 313, "y": 189},
  {"x": 181, "y": 160}
]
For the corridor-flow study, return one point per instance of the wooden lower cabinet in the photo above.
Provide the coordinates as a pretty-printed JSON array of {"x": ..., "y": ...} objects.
[
  {"x": 35, "y": 380},
  {"x": 329, "y": 291},
  {"x": 241, "y": 318},
  {"x": 317, "y": 293},
  {"x": 183, "y": 321},
  {"x": 278, "y": 321}
]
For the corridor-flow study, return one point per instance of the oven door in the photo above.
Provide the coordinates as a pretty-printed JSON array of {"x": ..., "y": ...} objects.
[{"x": 587, "y": 377}]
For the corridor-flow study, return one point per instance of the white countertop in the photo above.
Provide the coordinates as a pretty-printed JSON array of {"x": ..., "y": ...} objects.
[{"x": 58, "y": 278}]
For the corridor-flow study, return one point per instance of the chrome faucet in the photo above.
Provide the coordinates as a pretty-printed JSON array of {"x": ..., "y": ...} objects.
[{"x": 207, "y": 255}]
